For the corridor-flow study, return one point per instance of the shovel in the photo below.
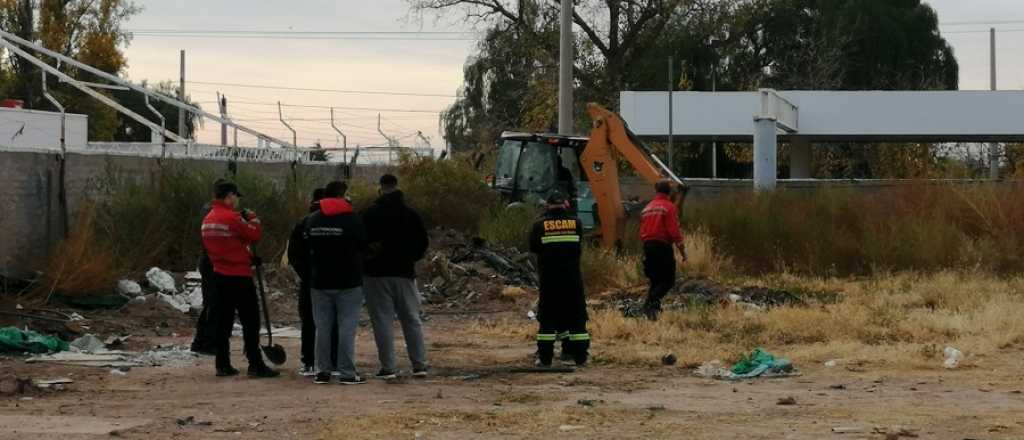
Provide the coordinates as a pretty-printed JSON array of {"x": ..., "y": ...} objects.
[{"x": 274, "y": 352}]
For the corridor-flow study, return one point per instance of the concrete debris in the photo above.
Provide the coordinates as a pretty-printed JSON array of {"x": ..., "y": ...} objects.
[
  {"x": 195, "y": 299},
  {"x": 178, "y": 302},
  {"x": 129, "y": 288},
  {"x": 54, "y": 384},
  {"x": 161, "y": 280},
  {"x": 279, "y": 332},
  {"x": 88, "y": 344},
  {"x": 193, "y": 275},
  {"x": 173, "y": 357}
]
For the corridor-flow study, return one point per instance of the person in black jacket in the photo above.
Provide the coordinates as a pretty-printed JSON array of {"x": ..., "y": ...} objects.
[
  {"x": 206, "y": 325},
  {"x": 298, "y": 258},
  {"x": 397, "y": 240},
  {"x": 336, "y": 239},
  {"x": 562, "y": 312}
]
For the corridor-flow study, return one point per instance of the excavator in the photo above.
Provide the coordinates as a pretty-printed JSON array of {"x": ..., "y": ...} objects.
[{"x": 531, "y": 166}]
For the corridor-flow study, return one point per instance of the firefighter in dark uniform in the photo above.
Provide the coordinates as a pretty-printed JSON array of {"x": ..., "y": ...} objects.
[{"x": 562, "y": 312}]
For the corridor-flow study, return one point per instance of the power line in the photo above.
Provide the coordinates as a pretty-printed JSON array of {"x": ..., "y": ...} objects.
[
  {"x": 304, "y": 89},
  {"x": 373, "y": 109},
  {"x": 296, "y": 37},
  {"x": 980, "y": 22},
  {"x": 294, "y": 32}
]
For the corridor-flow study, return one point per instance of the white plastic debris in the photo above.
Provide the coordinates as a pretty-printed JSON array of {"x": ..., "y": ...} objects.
[
  {"x": 75, "y": 317},
  {"x": 193, "y": 276},
  {"x": 129, "y": 288},
  {"x": 116, "y": 372},
  {"x": 179, "y": 302},
  {"x": 89, "y": 344},
  {"x": 161, "y": 280},
  {"x": 831, "y": 364},
  {"x": 953, "y": 357},
  {"x": 531, "y": 315},
  {"x": 713, "y": 370},
  {"x": 195, "y": 299}
]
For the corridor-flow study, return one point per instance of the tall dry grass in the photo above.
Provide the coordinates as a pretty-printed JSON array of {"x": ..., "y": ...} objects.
[{"x": 847, "y": 231}]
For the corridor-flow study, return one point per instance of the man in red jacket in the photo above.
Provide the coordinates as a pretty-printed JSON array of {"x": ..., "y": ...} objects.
[
  {"x": 659, "y": 230},
  {"x": 227, "y": 237}
]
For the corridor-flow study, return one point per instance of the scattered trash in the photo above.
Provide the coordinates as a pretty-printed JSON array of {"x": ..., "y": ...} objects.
[
  {"x": 669, "y": 360},
  {"x": 831, "y": 364},
  {"x": 116, "y": 342},
  {"x": 531, "y": 315},
  {"x": 847, "y": 430},
  {"x": 75, "y": 317},
  {"x": 786, "y": 401},
  {"x": 713, "y": 370},
  {"x": 279, "y": 332},
  {"x": 704, "y": 291},
  {"x": 161, "y": 280},
  {"x": 191, "y": 421},
  {"x": 118, "y": 372},
  {"x": 129, "y": 288},
  {"x": 953, "y": 357},
  {"x": 463, "y": 271},
  {"x": 88, "y": 344},
  {"x": 15, "y": 340},
  {"x": 174, "y": 357},
  {"x": 55, "y": 384},
  {"x": 760, "y": 363},
  {"x": 193, "y": 275}
]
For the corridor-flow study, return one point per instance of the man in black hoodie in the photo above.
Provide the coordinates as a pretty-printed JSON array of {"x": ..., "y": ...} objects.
[
  {"x": 397, "y": 240},
  {"x": 336, "y": 240},
  {"x": 298, "y": 258}
]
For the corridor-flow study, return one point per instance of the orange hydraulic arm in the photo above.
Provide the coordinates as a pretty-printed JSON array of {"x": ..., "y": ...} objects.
[{"x": 602, "y": 169}]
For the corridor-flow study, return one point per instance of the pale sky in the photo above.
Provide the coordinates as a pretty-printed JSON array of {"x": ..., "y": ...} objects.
[{"x": 423, "y": 66}]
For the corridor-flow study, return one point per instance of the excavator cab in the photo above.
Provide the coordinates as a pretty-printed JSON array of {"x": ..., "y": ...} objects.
[{"x": 532, "y": 166}]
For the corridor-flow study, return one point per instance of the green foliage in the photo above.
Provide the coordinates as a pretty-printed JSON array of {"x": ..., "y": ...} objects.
[
  {"x": 846, "y": 231},
  {"x": 509, "y": 226},
  {"x": 446, "y": 192},
  {"x": 155, "y": 221}
]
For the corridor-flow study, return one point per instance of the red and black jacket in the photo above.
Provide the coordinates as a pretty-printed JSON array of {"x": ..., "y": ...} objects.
[
  {"x": 227, "y": 239},
  {"x": 660, "y": 221}
]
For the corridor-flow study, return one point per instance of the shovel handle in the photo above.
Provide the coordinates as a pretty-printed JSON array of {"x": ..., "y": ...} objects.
[{"x": 263, "y": 299}]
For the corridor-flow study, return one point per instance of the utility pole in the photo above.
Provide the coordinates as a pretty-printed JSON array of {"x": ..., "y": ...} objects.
[
  {"x": 181, "y": 97},
  {"x": 993, "y": 148},
  {"x": 671, "y": 125},
  {"x": 565, "y": 76},
  {"x": 714, "y": 144},
  {"x": 223, "y": 103}
]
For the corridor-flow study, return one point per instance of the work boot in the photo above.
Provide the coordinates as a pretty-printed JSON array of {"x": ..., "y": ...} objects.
[
  {"x": 227, "y": 371},
  {"x": 262, "y": 371},
  {"x": 566, "y": 359},
  {"x": 541, "y": 364}
]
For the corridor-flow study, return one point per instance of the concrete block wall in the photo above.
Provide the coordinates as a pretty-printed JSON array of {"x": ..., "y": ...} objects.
[{"x": 31, "y": 218}]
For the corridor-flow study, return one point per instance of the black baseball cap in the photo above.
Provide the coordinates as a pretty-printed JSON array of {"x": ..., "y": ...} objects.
[
  {"x": 556, "y": 198},
  {"x": 226, "y": 188}
]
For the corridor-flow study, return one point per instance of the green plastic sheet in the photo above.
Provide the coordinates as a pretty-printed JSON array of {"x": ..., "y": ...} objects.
[
  {"x": 759, "y": 363},
  {"x": 15, "y": 340}
]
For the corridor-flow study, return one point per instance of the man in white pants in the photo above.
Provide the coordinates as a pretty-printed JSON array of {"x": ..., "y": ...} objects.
[{"x": 397, "y": 240}]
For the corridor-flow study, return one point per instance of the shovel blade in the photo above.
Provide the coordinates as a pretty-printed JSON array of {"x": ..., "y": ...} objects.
[{"x": 275, "y": 354}]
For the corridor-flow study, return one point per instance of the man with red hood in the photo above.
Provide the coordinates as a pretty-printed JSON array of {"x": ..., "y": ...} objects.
[
  {"x": 336, "y": 240},
  {"x": 227, "y": 238}
]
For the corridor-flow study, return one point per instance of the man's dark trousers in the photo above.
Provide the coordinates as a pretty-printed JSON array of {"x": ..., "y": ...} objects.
[
  {"x": 237, "y": 294},
  {"x": 660, "y": 269}
]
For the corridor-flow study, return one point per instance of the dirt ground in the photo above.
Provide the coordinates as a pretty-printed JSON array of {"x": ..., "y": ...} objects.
[{"x": 472, "y": 393}]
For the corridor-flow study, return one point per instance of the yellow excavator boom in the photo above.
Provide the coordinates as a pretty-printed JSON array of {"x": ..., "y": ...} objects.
[{"x": 609, "y": 131}]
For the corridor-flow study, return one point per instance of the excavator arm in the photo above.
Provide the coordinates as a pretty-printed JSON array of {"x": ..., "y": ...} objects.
[{"x": 610, "y": 131}]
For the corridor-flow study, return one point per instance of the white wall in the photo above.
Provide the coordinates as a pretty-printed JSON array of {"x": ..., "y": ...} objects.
[
  {"x": 962, "y": 115},
  {"x": 30, "y": 129}
]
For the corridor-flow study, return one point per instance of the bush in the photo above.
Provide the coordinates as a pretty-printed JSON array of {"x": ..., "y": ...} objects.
[
  {"x": 446, "y": 193},
  {"x": 509, "y": 226},
  {"x": 846, "y": 231}
]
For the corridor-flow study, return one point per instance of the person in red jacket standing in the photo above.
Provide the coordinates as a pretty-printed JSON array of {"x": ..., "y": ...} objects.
[
  {"x": 227, "y": 237},
  {"x": 659, "y": 231}
]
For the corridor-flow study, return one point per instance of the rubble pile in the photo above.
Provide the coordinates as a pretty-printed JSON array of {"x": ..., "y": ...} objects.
[
  {"x": 705, "y": 291},
  {"x": 460, "y": 270}
]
